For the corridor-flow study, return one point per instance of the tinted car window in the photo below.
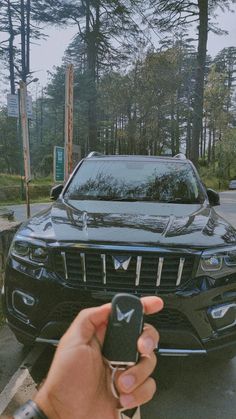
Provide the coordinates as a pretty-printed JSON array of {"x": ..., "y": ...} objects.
[{"x": 127, "y": 180}]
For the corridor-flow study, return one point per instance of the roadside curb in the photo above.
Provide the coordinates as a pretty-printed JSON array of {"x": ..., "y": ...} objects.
[{"x": 13, "y": 394}]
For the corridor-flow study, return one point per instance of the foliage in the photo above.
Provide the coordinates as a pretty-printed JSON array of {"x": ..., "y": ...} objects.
[
  {"x": 128, "y": 96},
  {"x": 169, "y": 14},
  {"x": 10, "y": 148}
]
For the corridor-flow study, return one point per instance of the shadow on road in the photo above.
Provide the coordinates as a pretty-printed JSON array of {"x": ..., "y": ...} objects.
[
  {"x": 187, "y": 388},
  {"x": 193, "y": 388}
]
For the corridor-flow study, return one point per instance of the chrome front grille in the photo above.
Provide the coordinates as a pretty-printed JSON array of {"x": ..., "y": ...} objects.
[{"x": 146, "y": 273}]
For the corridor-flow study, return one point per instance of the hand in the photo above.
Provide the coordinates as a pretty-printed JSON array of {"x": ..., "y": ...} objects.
[{"x": 78, "y": 385}]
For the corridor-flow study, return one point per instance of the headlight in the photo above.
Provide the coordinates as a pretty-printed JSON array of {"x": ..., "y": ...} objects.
[
  {"x": 38, "y": 254},
  {"x": 20, "y": 248},
  {"x": 34, "y": 252},
  {"x": 218, "y": 262}
]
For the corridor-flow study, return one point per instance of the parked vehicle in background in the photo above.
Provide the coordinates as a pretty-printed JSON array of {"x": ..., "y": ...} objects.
[
  {"x": 138, "y": 224},
  {"x": 232, "y": 184}
]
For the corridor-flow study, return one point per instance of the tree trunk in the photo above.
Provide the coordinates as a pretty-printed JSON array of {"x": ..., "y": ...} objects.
[
  {"x": 28, "y": 7},
  {"x": 11, "y": 49},
  {"x": 172, "y": 127},
  {"x": 189, "y": 125},
  {"x": 209, "y": 147},
  {"x": 199, "y": 86},
  {"x": 23, "y": 38},
  {"x": 214, "y": 148},
  {"x": 177, "y": 128},
  {"x": 91, "y": 38},
  {"x": 204, "y": 139}
]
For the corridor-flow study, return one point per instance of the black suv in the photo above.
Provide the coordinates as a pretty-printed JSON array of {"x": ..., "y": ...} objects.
[{"x": 138, "y": 224}]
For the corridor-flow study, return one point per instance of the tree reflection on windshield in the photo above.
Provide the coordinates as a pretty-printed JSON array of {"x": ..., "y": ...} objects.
[{"x": 160, "y": 183}]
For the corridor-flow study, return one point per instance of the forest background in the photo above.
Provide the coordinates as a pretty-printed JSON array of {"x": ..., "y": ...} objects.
[{"x": 130, "y": 96}]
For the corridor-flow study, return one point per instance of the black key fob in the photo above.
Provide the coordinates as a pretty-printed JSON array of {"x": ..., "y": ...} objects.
[{"x": 124, "y": 328}]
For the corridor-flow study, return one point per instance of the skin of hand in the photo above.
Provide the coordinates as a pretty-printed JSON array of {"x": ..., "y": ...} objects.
[{"x": 78, "y": 385}]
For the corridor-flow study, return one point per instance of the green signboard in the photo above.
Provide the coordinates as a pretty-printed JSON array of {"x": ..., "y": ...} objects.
[{"x": 59, "y": 164}]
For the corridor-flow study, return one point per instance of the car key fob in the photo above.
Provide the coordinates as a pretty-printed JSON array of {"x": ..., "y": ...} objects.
[{"x": 124, "y": 328}]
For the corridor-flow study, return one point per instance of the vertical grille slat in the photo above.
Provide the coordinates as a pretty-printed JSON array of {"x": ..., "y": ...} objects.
[
  {"x": 104, "y": 269},
  {"x": 63, "y": 254},
  {"x": 138, "y": 270},
  {"x": 82, "y": 257},
  {"x": 159, "y": 271},
  {"x": 180, "y": 271},
  {"x": 148, "y": 273}
]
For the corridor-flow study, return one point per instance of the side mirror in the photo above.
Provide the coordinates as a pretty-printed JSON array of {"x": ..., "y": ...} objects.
[
  {"x": 55, "y": 192},
  {"x": 213, "y": 196}
]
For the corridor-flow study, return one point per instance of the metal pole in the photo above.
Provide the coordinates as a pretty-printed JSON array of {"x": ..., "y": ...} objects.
[
  {"x": 25, "y": 138},
  {"x": 69, "y": 120}
]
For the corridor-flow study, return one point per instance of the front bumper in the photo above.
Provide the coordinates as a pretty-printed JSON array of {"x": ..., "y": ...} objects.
[{"x": 185, "y": 325}]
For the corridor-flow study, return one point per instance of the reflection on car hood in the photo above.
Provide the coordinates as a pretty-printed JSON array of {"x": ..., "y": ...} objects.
[{"x": 136, "y": 223}]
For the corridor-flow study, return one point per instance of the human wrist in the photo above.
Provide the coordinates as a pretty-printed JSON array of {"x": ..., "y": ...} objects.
[
  {"x": 29, "y": 410},
  {"x": 42, "y": 399}
]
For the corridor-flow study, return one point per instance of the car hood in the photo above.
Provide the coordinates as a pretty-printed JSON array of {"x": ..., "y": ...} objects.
[{"x": 133, "y": 223}]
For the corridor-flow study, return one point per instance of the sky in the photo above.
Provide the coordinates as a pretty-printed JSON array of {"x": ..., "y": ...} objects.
[
  {"x": 50, "y": 52},
  {"x": 45, "y": 54}
]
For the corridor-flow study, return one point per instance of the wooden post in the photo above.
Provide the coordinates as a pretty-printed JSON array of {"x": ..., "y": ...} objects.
[
  {"x": 69, "y": 120},
  {"x": 25, "y": 140}
]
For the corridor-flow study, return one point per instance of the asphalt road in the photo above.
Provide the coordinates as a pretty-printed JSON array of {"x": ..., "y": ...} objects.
[
  {"x": 187, "y": 388},
  {"x": 20, "y": 210}
]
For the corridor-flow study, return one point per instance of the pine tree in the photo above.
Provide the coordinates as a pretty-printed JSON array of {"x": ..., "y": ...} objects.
[{"x": 168, "y": 15}]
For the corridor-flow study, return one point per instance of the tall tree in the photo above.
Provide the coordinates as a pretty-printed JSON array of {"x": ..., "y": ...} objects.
[
  {"x": 104, "y": 28},
  {"x": 169, "y": 14},
  {"x": 226, "y": 63}
]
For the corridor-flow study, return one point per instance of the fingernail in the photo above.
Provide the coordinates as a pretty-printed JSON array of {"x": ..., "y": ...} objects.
[
  {"x": 127, "y": 381},
  {"x": 126, "y": 400},
  {"x": 148, "y": 344}
]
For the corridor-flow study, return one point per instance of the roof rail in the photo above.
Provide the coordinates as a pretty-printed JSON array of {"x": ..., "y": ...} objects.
[
  {"x": 94, "y": 154},
  {"x": 180, "y": 156}
]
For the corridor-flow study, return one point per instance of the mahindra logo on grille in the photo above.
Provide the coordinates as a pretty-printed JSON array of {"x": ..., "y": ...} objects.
[{"x": 121, "y": 262}]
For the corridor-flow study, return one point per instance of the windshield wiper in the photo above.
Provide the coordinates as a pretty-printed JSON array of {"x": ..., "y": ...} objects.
[
  {"x": 112, "y": 198},
  {"x": 181, "y": 201},
  {"x": 101, "y": 198}
]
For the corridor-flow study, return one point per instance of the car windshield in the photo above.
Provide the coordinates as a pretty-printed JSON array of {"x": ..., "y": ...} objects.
[{"x": 117, "y": 180}]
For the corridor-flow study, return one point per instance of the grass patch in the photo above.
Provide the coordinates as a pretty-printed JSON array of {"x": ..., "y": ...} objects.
[
  {"x": 9, "y": 180},
  {"x": 42, "y": 181},
  {"x": 15, "y": 180},
  {"x": 12, "y": 189},
  {"x": 40, "y": 200}
]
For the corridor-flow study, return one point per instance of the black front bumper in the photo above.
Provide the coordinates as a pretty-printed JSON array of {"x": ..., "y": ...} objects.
[{"x": 184, "y": 324}]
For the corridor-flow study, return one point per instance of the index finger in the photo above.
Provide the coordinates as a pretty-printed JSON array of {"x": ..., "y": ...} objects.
[{"x": 152, "y": 304}]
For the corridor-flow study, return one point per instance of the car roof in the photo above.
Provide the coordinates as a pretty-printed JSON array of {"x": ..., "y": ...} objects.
[{"x": 137, "y": 158}]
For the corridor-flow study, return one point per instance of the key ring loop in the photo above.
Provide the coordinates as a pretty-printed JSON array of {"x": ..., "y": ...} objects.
[{"x": 113, "y": 387}]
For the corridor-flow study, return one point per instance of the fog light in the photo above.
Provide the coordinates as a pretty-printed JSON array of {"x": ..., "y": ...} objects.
[
  {"x": 22, "y": 302},
  {"x": 223, "y": 316},
  {"x": 212, "y": 263}
]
